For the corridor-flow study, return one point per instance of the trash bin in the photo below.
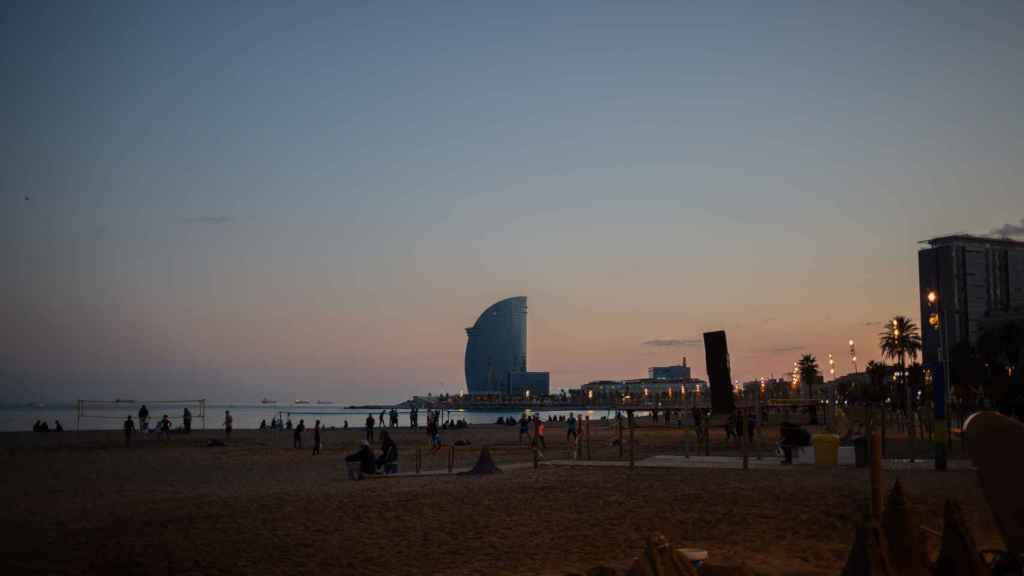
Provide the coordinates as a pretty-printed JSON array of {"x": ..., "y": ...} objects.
[
  {"x": 860, "y": 451},
  {"x": 826, "y": 449}
]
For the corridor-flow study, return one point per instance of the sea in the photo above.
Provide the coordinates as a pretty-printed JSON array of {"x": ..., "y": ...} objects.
[{"x": 111, "y": 415}]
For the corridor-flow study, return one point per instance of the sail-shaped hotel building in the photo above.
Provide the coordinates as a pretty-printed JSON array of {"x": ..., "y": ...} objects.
[{"x": 496, "y": 353}]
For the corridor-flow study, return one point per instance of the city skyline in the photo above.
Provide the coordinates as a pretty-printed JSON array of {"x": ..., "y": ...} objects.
[{"x": 314, "y": 201}]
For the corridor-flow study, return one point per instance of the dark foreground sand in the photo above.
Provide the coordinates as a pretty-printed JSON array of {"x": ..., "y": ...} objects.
[{"x": 257, "y": 506}]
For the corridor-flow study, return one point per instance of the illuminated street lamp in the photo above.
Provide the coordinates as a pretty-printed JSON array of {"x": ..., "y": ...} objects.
[{"x": 853, "y": 355}]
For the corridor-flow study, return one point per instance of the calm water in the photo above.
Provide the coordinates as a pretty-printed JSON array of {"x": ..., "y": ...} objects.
[{"x": 111, "y": 416}]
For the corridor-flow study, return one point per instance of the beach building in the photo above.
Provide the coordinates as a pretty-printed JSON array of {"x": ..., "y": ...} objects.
[
  {"x": 642, "y": 387},
  {"x": 674, "y": 372},
  {"x": 495, "y": 360}
]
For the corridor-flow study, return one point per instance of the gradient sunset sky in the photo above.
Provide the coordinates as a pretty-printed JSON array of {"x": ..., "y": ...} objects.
[{"x": 312, "y": 200}]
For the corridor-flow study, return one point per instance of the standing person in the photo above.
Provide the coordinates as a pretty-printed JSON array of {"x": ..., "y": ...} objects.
[
  {"x": 297, "y": 435},
  {"x": 186, "y": 420},
  {"x": 129, "y": 427},
  {"x": 316, "y": 438},
  {"x": 524, "y": 427},
  {"x": 539, "y": 432},
  {"x": 143, "y": 418},
  {"x": 570, "y": 431},
  {"x": 228, "y": 422},
  {"x": 369, "y": 427},
  {"x": 381, "y": 416}
]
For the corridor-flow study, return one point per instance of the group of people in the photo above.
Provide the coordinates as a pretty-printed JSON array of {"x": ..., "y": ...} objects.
[
  {"x": 162, "y": 428},
  {"x": 42, "y": 426},
  {"x": 276, "y": 424},
  {"x": 533, "y": 428},
  {"x": 364, "y": 461}
]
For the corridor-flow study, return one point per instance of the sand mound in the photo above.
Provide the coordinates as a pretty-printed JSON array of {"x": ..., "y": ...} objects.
[{"x": 484, "y": 464}]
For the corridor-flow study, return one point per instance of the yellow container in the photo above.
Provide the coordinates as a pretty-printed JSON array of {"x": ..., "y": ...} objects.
[{"x": 826, "y": 449}]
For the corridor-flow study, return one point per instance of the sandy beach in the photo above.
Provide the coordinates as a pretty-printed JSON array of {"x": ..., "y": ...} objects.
[{"x": 91, "y": 506}]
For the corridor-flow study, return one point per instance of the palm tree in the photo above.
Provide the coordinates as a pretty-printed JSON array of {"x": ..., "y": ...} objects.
[
  {"x": 900, "y": 339},
  {"x": 877, "y": 372},
  {"x": 808, "y": 368}
]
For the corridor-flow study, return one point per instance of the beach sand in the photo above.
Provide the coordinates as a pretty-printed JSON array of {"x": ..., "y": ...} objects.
[{"x": 91, "y": 506}]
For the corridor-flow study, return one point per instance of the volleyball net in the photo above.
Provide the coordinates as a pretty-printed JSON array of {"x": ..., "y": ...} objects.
[{"x": 121, "y": 409}]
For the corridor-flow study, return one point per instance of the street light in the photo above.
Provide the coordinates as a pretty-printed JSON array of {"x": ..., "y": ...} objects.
[{"x": 853, "y": 355}]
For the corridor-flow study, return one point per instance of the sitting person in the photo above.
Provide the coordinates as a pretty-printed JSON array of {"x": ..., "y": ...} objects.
[
  {"x": 164, "y": 426},
  {"x": 361, "y": 462},
  {"x": 57, "y": 426},
  {"x": 263, "y": 424},
  {"x": 792, "y": 436},
  {"x": 388, "y": 459}
]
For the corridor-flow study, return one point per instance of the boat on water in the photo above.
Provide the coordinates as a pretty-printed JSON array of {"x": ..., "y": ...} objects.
[
  {"x": 302, "y": 401},
  {"x": 268, "y": 401},
  {"x": 323, "y": 402}
]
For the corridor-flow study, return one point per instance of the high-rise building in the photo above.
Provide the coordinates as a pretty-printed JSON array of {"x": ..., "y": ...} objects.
[
  {"x": 976, "y": 281},
  {"x": 496, "y": 347}
]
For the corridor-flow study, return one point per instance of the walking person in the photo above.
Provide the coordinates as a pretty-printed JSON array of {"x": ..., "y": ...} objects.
[
  {"x": 369, "y": 427},
  {"x": 570, "y": 431},
  {"x": 129, "y": 428},
  {"x": 538, "y": 433},
  {"x": 186, "y": 420},
  {"x": 316, "y": 438},
  {"x": 381, "y": 416},
  {"x": 524, "y": 427},
  {"x": 228, "y": 423},
  {"x": 297, "y": 435}
]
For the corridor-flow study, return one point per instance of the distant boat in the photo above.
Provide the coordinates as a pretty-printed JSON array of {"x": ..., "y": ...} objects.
[
  {"x": 268, "y": 401},
  {"x": 324, "y": 402},
  {"x": 302, "y": 401}
]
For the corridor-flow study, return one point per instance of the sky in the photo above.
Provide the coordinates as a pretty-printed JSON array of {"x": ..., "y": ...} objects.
[{"x": 313, "y": 200}]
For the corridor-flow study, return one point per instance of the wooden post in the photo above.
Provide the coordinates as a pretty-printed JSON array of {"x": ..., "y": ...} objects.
[
  {"x": 620, "y": 438},
  {"x": 744, "y": 444},
  {"x": 631, "y": 446},
  {"x": 876, "y": 477},
  {"x": 587, "y": 432},
  {"x": 706, "y": 424}
]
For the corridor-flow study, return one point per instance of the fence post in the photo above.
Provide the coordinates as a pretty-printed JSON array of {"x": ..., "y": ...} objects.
[
  {"x": 620, "y": 438},
  {"x": 876, "y": 477},
  {"x": 705, "y": 423},
  {"x": 631, "y": 446},
  {"x": 884, "y": 419},
  {"x": 744, "y": 441}
]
